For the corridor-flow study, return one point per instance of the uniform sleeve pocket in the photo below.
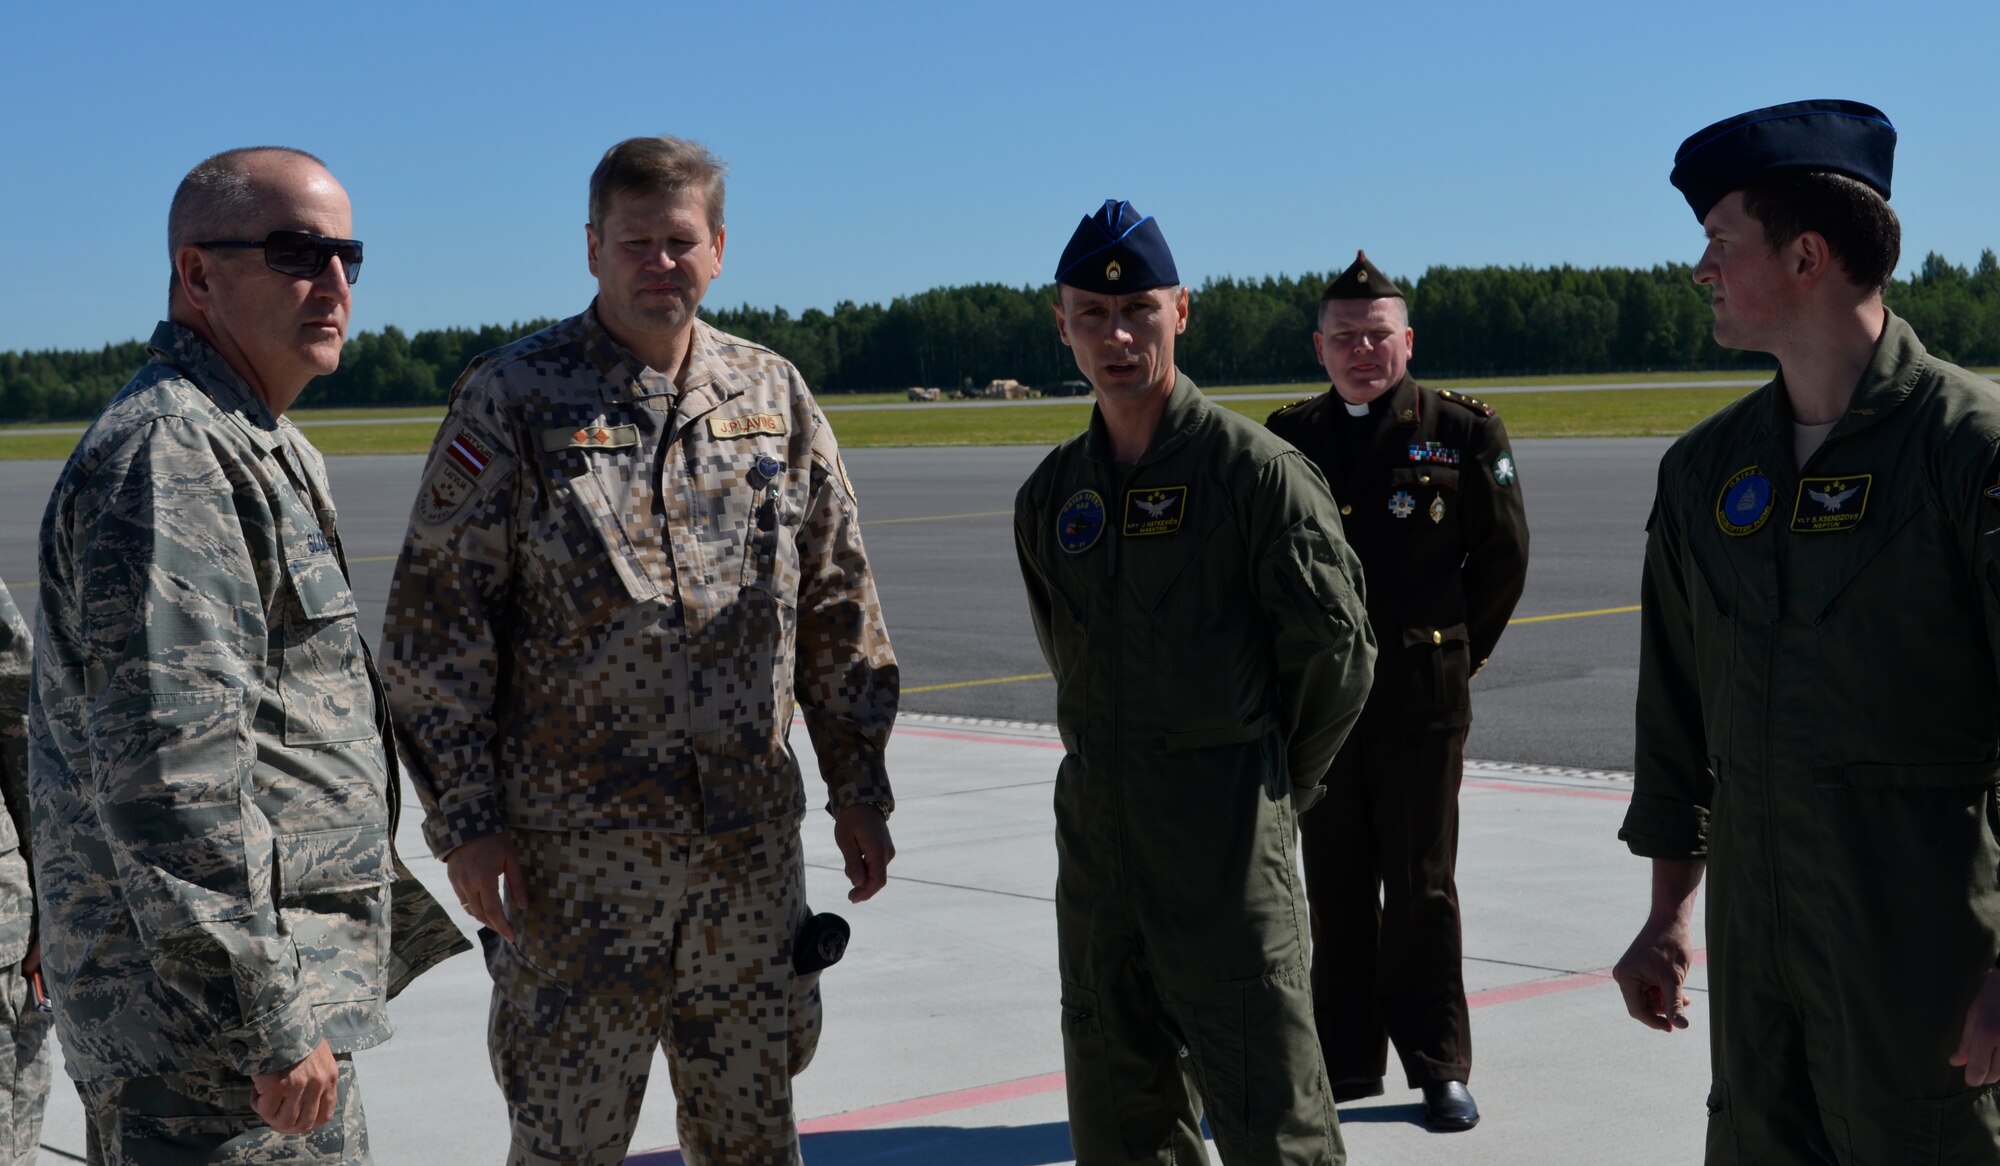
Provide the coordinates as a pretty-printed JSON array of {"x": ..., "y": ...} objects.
[{"x": 1309, "y": 568}]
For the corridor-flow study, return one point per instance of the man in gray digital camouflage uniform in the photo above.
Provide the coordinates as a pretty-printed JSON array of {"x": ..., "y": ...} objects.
[
  {"x": 634, "y": 544},
  {"x": 24, "y": 1027},
  {"x": 212, "y": 801}
]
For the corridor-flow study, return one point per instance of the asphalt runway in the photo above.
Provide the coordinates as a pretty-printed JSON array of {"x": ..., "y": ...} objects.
[{"x": 938, "y": 525}]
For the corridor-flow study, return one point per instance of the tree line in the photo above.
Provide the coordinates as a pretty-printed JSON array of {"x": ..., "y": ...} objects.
[{"x": 1470, "y": 321}]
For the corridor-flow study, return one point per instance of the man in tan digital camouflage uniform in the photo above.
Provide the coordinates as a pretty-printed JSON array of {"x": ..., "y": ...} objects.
[
  {"x": 24, "y": 1027},
  {"x": 634, "y": 544},
  {"x": 211, "y": 797}
]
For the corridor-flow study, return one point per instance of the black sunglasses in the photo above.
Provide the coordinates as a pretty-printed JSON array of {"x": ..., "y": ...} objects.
[{"x": 301, "y": 254}]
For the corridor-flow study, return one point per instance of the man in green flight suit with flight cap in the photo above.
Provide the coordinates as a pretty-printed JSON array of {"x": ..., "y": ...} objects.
[
  {"x": 1819, "y": 709},
  {"x": 1203, "y": 616}
]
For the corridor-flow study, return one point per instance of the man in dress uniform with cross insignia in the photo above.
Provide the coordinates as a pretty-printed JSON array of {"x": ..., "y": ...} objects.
[{"x": 1429, "y": 496}]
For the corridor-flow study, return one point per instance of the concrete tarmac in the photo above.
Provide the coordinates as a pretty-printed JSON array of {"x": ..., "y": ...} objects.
[
  {"x": 942, "y": 1044},
  {"x": 938, "y": 523}
]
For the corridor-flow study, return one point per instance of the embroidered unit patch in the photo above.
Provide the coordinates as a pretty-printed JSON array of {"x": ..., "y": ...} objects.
[
  {"x": 1080, "y": 522},
  {"x": 1832, "y": 503},
  {"x": 1157, "y": 510},
  {"x": 1745, "y": 503},
  {"x": 1503, "y": 468}
]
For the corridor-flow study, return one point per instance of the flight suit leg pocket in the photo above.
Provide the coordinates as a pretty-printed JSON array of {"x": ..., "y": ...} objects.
[
  {"x": 1722, "y": 1143},
  {"x": 1955, "y": 1131}
]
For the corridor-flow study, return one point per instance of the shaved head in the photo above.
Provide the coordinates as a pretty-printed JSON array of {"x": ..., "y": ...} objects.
[{"x": 221, "y": 194}]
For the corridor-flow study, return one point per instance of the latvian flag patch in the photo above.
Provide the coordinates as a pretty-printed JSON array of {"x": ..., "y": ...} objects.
[{"x": 470, "y": 453}]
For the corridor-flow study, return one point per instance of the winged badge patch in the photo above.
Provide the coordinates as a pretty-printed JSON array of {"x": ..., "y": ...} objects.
[
  {"x": 1154, "y": 510},
  {"x": 1831, "y": 503}
]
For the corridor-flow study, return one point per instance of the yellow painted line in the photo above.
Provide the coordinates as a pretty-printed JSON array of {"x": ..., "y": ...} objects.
[
  {"x": 1572, "y": 615},
  {"x": 935, "y": 517},
  {"x": 978, "y": 683}
]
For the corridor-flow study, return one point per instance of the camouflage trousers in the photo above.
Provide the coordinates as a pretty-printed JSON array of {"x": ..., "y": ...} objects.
[
  {"x": 636, "y": 939},
  {"x": 24, "y": 1069},
  {"x": 205, "y": 1119}
]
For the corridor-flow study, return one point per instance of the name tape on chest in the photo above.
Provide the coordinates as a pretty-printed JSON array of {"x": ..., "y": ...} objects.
[
  {"x": 1154, "y": 510},
  {"x": 590, "y": 437},
  {"x": 749, "y": 424},
  {"x": 1744, "y": 504},
  {"x": 1830, "y": 503}
]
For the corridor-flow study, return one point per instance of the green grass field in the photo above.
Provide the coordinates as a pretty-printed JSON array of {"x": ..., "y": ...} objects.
[{"x": 1572, "y": 413}]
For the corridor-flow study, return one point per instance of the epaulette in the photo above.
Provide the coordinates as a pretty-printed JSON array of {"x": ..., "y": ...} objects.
[
  {"x": 1473, "y": 403},
  {"x": 1296, "y": 404}
]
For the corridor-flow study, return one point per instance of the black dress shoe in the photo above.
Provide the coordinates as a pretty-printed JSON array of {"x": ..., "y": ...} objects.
[
  {"x": 1448, "y": 1106},
  {"x": 1346, "y": 1091}
]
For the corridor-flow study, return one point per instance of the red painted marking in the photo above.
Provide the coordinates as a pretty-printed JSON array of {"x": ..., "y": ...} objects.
[
  {"x": 880, "y": 1115},
  {"x": 978, "y": 739},
  {"x": 937, "y": 1103},
  {"x": 1560, "y": 791},
  {"x": 1509, "y": 993}
]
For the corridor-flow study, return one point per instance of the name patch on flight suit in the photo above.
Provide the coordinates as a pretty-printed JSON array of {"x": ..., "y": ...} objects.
[
  {"x": 750, "y": 423},
  {"x": 1154, "y": 511},
  {"x": 1080, "y": 522},
  {"x": 1745, "y": 503},
  {"x": 453, "y": 477},
  {"x": 1826, "y": 504},
  {"x": 590, "y": 437}
]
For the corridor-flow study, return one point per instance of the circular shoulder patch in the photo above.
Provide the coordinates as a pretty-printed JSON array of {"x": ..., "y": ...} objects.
[
  {"x": 1080, "y": 522},
  {"x": 1745, "y": 503}
]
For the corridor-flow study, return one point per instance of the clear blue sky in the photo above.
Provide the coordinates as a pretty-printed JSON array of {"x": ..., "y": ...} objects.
[{"x": 881, "y": 149}]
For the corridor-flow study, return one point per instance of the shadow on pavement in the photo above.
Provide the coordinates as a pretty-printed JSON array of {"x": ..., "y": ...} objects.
[{"x": 1036, "y": 1145}]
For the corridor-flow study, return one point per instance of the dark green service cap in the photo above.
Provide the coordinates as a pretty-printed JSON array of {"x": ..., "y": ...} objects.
[{"x": 1361, "y": 281}]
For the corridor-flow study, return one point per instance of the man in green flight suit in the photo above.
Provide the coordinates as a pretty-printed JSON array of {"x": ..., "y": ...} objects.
[
  {"x": 1819, "y": 710},
  {"x": 1203, "y": 616}
]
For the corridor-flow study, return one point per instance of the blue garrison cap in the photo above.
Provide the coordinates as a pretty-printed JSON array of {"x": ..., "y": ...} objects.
[
  {"x": 1845, "y": 137},
  {"x": 1115, "y": 251}
]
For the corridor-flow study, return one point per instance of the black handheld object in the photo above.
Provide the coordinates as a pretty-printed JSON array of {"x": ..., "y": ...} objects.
[{"x": 822, "y": 940}]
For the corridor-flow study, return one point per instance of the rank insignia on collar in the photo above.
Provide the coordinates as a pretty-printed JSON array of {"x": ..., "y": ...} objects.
[
  {"x": 1080, "y": 522},
  {"x": 1830, "y": 503},
  {"x": 1401, "y": 504},
  {"x": 1437, "y": 508},
  {"x": 1156, "y": 510},
  {"x": 1745, "y": 503}
]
